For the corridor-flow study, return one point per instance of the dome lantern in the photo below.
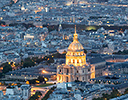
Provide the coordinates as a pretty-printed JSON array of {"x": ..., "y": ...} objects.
[{"x": 75, "y": 36}]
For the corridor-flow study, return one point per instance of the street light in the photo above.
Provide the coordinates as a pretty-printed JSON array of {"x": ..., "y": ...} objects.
[{"x": 43, "y": 71}]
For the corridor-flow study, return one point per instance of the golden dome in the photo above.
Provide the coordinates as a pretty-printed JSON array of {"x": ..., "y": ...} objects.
[{"x": 75, "y": 45}]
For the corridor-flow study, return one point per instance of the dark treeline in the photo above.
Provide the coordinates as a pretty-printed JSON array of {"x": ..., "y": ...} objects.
[
  {"x": 79, "y": 26},
  {"x": 85, "y": 27}
]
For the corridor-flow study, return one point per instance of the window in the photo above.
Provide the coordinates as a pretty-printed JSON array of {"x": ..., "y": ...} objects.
[
  {"x": 67, "y": 79},
  {"x": 60, "y": 70},
  {"x": 77, "y": 71},
  {"x": 83, "y": 78},
  {"x": 25, "y": 93},
  {"x": 77, "y": 60},
  {"x": 69, "y": 60},
  {"x": 67, "y": 71},
  {"x": 83, "y": 71},
  {"x": 59, "y": 78},
  {"x": 73, "y": 61},
  {"x": 82, "y": 60},
  {"x": 88, "y": 76},
  {"x": 88, "y": 70}
]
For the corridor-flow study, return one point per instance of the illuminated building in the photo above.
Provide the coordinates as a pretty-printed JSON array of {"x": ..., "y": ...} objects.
[
  {"x": 22, "y": 8},
  {"x": 76, "y": 67},
  {"x": 60, "y": 27}
]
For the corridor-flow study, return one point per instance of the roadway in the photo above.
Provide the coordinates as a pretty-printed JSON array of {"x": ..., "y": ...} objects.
[{"x": 43, "y": 90}]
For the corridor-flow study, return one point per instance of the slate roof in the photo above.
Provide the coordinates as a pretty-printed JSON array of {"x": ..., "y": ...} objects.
[
  {"x": 96, "y": 60},
  {"x": 29, "y": 74}
]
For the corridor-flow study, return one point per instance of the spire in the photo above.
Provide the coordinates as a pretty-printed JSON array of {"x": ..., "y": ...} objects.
[
  {"x": 75, "y": 29},
  {"x": 75, "y": 35}
]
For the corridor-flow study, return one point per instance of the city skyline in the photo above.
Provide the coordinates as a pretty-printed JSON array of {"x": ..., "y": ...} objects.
[{"x": 63, "y": 49}]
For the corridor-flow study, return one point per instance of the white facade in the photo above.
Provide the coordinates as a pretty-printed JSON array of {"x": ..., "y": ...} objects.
[
  {"x": 1, "y": 94},
  {"x": 25, "y": 91},
  {"x": 15, "y": 93}
]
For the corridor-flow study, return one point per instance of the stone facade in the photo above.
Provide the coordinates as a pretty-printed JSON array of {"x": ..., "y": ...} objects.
[{"x": 76, "y": 67}]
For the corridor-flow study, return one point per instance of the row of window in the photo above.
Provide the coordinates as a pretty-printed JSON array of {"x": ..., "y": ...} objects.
[
  {"x": 77, "y": 78},
  {"x": 84, "y": 78},
  {"x": 78, "y": 61},
  {"x": 67, "y": 70},
  {"x": 72, "y": 54}
]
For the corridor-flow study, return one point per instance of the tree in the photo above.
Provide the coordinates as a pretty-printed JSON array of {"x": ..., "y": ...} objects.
[
  {"x": 64, "y": 52},
  {"x": 36, "y": 96},
  {"x": 41, "y": 79},
  {"x": 105, "y": 95},
  {"x": 48, "y": 93},
  {"x": 105, "y": 45},
  {"x": 93, "y": 52},
  {"x": 50, "y": 60},
  {"x": 115, "y": 93},
  {"x": 19, "y": 84},
  {"x": 6, "y": 68},
  {"x": 126, "y": 91},
  {"x": 85, "y": 51},
  {"x": 32, "y": 81},
  {"x": 38, "y": 93},
  {"x": 1, "y": 75},
  {"x": 28, "y": 62},
  {"x": 56, "y": 55}
]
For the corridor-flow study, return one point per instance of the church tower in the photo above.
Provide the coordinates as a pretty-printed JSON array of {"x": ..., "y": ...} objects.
[
  {"x": 76, "y": 67},
  {"x": 22, "y": 8},
  {"x": 60, "y": 27}
]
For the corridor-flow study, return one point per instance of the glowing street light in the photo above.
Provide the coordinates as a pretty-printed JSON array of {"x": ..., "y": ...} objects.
[{"x": 43, "y": 71}]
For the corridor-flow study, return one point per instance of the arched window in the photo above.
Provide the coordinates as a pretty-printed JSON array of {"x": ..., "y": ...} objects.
[
  {"x": 77, "y": 60},
  {"x": 67, "y": 79},
  {"x": 83, "y": 78},
  {"x": 73, "y": 61},
  {"x": 59, "y": 78},
  {"x": 69, "y": 60}
]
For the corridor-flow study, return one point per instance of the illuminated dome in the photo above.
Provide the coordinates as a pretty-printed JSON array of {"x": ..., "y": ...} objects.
[
  {"x": 75, "y": 45},
  {"x": 75, "y": 54}
]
